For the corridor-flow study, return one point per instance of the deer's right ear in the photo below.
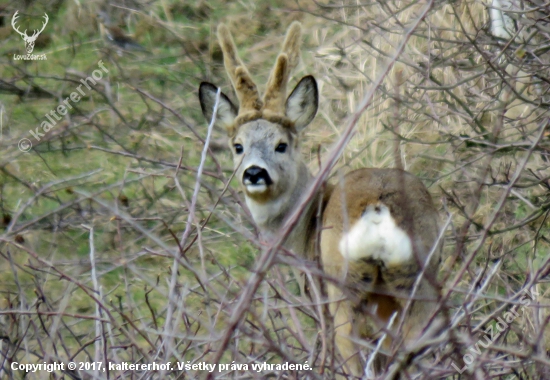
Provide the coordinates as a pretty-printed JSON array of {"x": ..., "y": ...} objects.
[
  {"x": 302, "y": 104},
  {"x": 227, "y": 112}
]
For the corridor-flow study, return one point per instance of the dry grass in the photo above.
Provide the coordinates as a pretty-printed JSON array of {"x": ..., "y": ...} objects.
[{"x": 111, "y": 253}]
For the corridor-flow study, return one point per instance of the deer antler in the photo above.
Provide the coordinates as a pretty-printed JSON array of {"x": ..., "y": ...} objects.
[
  {"x": 247, "y": 92},
  {"x": 251, "y": 105},
  {"x": 275, "y": 93},
  {"x": 36, "y": 32},
  {"x": 13, "y": 19}
]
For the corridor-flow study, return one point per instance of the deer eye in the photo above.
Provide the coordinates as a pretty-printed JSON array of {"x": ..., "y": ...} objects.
[
  {"x": 238, "y": 148},
  {"x": 281, "y": 148}
]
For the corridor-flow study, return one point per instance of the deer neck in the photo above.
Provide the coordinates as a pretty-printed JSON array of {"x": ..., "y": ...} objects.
[{"x": 271, "y": 216}]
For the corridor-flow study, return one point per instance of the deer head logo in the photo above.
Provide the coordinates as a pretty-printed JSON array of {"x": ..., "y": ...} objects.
[{"x": 29, "y": 40}]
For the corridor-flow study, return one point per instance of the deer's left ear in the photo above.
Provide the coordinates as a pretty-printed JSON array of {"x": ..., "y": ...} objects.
[{"x": 302, "y": 104}]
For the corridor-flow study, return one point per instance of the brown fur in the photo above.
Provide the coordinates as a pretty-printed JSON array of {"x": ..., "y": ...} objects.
[
  {"x": 371, "y": 288},
  {"x": 282, "y": 120}
]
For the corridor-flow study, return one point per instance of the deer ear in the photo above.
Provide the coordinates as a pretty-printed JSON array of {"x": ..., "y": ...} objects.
[
  {"x": 302, "y": 104},
  {"x": 227, "y": 112}
]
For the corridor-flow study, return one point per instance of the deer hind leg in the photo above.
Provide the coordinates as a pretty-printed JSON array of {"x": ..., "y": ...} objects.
[
  {"x": 343, "y": 325},
  {"x": 418, "y": 324},
  {"x": 377, "y": 315}
]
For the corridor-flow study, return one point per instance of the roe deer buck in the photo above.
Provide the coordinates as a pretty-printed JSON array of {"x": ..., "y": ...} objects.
[{"x": 379, "y": 225}]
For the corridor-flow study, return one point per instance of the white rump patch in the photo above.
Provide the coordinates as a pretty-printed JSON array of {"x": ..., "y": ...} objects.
[{"x": 375, "y": 235}]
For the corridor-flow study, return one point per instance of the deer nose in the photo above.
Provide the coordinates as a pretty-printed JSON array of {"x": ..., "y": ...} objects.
[{"x": 255, "y": 175}]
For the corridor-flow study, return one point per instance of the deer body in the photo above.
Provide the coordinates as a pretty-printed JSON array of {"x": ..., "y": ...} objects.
[{"x": 379, "y": 225}]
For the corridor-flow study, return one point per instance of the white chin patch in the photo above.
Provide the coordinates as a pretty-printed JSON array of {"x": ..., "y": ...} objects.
[
  {"x": 256, "y": 189},
  {"x": 375, "y": 235}
]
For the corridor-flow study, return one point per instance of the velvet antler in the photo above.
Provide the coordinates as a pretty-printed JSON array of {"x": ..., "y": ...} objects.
[
  {"x": 247, "y": 92},
  {"x": 273, "y": 105},
  {"x": 275, "y": 94}
]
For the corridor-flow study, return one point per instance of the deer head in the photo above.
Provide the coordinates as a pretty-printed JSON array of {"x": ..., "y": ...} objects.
[
  {"x": 264, "y": 131},
  {"x": 29, "y": 40}
]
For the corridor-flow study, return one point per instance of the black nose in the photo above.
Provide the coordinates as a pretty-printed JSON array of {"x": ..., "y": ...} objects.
[{"x": 255, "y": 175}]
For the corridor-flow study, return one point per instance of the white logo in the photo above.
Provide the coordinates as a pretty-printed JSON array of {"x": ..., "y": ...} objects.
[{"x": 29, "y": 40}]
